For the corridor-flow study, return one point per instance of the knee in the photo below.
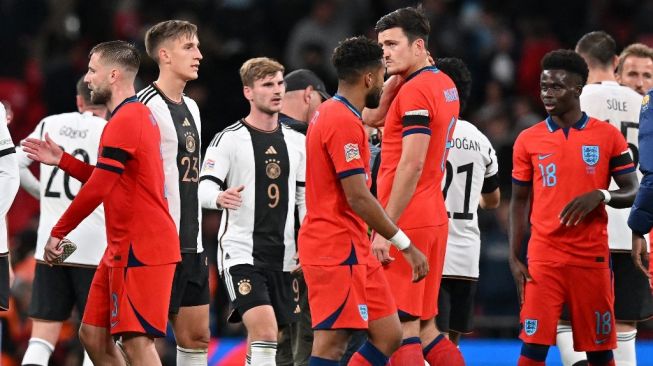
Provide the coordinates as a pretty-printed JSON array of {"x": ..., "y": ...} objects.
[
  {"x": 195, "y": 339},
  {"x": 86, "y": 338}
]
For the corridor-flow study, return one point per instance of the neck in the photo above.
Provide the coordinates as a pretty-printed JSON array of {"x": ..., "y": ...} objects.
[
  {"x": 353, "y": 94},
  {"x": 118, "y": 95},
  {"x": 99, "y": 111},
  {"x": 171, "y": 87},
  {"x": 599, "y": 75},
  {"x": 294, "y": 111},
  {"x": 568, "y": 119},
  {"x": 262, "y": 121},
  {"x": 418, "y": 66}
]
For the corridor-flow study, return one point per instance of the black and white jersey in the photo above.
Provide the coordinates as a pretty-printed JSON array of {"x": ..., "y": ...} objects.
[
  {"x": 271, "y": 166},
  {"x": 181, "y": 129},
  {"x": 471, "y": 170},
  {"x": 79, "y": 135},
  {"x": 619, "y": 105},
  {"x": 8, "y": 177}
]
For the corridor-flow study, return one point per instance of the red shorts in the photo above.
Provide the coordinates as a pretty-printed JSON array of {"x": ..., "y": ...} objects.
[
  {"x": 130, "y": 299},
  {"x": 348, "y": 296},
  {"x": 419, "y": 299},
  {"x": 589, "y": 296}
]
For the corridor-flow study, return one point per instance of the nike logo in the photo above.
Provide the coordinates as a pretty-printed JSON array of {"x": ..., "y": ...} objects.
[
  {"x": 543, "y": 156},
  {"x": 113, "y": 324},
  {"x": 600, "y": 341}
]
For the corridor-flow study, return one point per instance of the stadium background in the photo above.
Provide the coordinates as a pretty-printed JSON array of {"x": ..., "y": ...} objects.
[{"x": 44, "y": 46}]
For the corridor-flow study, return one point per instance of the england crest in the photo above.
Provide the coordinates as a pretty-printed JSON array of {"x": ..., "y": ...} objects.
[
  {"x": 590, "y": 154},
  {"x": 362, "y": 309},
  {"x": 530, "y": 326}
]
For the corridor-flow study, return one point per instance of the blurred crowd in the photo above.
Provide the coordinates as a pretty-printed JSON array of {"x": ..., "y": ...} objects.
[{"x": 45, "y": 44}]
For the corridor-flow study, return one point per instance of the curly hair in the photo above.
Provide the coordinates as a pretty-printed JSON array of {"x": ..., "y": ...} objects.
[
  {"x": 456, "y": 69},
  {"x": 566, "y": 60},
  {"x": 354, "y": 56}
]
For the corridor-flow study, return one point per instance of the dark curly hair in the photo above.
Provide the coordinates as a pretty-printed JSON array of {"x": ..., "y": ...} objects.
[
  {"x": 567, "y": 60},
  {"x": 456, "y": 69},
  {"x": 412, "y": 21},
  {"x": 354, "y": 56}
]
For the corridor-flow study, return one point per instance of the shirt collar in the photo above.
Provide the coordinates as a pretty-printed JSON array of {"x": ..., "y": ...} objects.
[
  {"x": 131, "y": 99},
  {"x": 579, "y": 125},
  {"x": 350, "y": 106},
  {"x": 427, "y": 68}
]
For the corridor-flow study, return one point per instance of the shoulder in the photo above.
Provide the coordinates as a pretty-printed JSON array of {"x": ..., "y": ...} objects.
[
  {"x": 290, "y": 132},
  {"x": 222, "y": 138},
  {"x": 149, "y": 95},
  {"x": 190, "y": 102}
]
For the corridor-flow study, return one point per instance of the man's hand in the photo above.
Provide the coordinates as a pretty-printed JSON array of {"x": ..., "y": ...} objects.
[
  {"x": 43, "y": 151},
  {"x": 521, "y": 275},
  {"x": 417, "y": 261},
  {"x": 381, "y": 249},
  {"x": 52, "y": 250},
  {"x": 230, "y": 198},
  {"x": 576, "y": 210},
  {"x": 639, "y": 253}
]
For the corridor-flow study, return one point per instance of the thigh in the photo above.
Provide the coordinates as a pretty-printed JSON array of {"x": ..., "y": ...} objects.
[
  {"x": 336, "y": 295},
  {"x": 633, "y": 299},
  {"x": 247, "y": 288},
  {"x": 462, "y": 305},
  {"x": 191, "y": 282},
  {"x": 380, "y": 301},
  {"x": 53, "y": 294},
  {"x": 591, "y": 303},
  {"x": 97, "y": 312},
  {"x": 140, "y": 297},
  {"x": 543, "y": 299}
]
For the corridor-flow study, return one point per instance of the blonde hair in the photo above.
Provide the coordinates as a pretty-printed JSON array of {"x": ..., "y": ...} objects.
[
  {"x": 258, "y": 68},
  {"x": 635, "y": 49}
]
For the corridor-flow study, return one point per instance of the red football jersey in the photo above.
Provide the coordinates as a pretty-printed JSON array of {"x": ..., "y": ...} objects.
[
  {"x": 427, "y": 103},
  {"x": 561, "y": 165},
  {"x": 140, "y": 230},
  {"x": 336, "y": 148}
]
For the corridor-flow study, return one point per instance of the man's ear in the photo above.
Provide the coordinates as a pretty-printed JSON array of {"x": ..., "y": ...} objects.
[
  {"x": 307, "y": 94},
  {"x": 247, "y": 92}
]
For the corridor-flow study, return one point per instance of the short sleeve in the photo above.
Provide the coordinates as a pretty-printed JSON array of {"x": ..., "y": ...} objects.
[
  {"x": 217, "y": 160},
  {"x": 522, "y": 169},
  {"x": 120, "y": 139},
  {"x": 6, "y": 144},
  {"x": 344, "y": 146},
  {"x": 414, "y": 111},
  {"x": 620, "y": 160},
  {"x": 491, "y": 163}
]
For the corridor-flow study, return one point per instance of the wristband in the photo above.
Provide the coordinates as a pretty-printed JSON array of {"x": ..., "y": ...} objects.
[
  {"x": 400, "y": 240},
  {"x": 606, "y": 195}
]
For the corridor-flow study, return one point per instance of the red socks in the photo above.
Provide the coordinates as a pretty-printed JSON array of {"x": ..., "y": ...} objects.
[
  {"x": 443, "y": 352},
  {"x": 410, "y": 353}
]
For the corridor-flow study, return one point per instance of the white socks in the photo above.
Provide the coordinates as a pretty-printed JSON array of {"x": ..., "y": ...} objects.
[
  {"x": 87, "y": 360},
  {"x": 565, "y": 343},
  {"x": 192, "y": 357},
  {"x": 38, "y": 352},
  {"x": 264, "y": 353},
  {"x": 625, "y": 355}
]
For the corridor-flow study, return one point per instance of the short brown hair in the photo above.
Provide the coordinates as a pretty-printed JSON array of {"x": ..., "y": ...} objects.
[
  {"x": 635, "y": 49},
  {"x": 118, "y": 52},
  {"x": 258, "y": 68},
  {"x": 411, "y": 20},
  {"x": 163, "y": 31}
]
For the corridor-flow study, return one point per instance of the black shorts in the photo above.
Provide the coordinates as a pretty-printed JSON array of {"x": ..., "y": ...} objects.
[
  {"x": 633, "y": 300},
  {"x": 456, "y": 305},
  {"x": 250, "y": 286},
  {"x": 190, "y": 286},
  {"x": 57, "y": 289},
  {"x": 4, "y": 281}
]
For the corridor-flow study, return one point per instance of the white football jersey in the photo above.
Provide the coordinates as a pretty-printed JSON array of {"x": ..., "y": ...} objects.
[
  {"x": 8, "y": 177},
  {"x": 271, "y": 166},
  {"x": 619, "y": 105},
  {"x": 79, "y": 135},
  {"x": 470, "y": 162},
  {"x": 181, "y": 128}
]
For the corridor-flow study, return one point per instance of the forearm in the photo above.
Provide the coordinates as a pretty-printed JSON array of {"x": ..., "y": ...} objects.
[
  {"x": 97, "y": 187},
  {"x": 300, "y": 201},
  {"x": 75, "y": 167},
  {"x": 517, "y": 221},
  {"x": 29, "y": 182},
  {"x": 622, "y": 197},
  {"x": 369, "y": 209},
  {"x": 208, "y": 192},
  {"x": 403, "y": 188}
]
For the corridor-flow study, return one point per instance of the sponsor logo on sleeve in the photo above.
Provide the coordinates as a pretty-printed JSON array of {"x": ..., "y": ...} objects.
[
  {"x": 450, "y": 95},
  {"x": 352, "y": 152}
]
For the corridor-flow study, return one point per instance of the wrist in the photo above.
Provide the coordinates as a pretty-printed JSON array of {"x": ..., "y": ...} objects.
[
  {"x": 606, "y": 197},
  {"x": 400, "y": 240}
]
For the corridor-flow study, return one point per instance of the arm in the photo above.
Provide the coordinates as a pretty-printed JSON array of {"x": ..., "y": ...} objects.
[
  {"x": 27, "y": 180},
  {"x": 641, "y": 221},
  {"x": 214, "y": 198},
  {"x": 213, "y": 191},
  {"x": 376, "y": 117},
  {"x": 518, "y": 220},
  {"x": 48, "y": 152},
  {"x": 409, "y": 170},
  {"x": 490, "y": 200},
  {"x": 368, "y": 208}
]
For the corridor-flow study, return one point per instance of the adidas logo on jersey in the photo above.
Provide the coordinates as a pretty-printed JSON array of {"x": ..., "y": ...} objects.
[
  {"x": 270, "y": 151},
  {"x": 186, "y": 123}
]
